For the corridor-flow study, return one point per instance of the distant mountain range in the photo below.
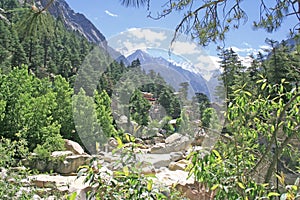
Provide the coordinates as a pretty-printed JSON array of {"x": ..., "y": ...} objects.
[{"x": 172, "y": 73}]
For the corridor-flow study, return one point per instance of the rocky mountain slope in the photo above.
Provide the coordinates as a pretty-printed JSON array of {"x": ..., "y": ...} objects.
[{"x": 74, "y": 21}]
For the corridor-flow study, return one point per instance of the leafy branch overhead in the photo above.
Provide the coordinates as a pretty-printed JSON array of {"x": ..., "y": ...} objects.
[{"x": 209, "y": 21}]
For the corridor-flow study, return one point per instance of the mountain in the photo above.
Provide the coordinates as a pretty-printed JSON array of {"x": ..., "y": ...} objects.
[
  {"x": 172, "y": 73},
  {"x": 74, "y": 21}
]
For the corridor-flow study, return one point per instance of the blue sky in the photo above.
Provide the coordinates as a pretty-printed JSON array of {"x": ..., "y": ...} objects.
[{"x": 111, "y": 18}]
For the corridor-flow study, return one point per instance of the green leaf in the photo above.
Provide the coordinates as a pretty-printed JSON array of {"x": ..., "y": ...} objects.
[
  {"x": 248, "y": 93},
  {"x": 241, "y": 185},
  {"x": 273, "y": 194},
  {"x": 294, "y": 187},
  {"x": 120, "y": 143},
  {"x": 127, "y": 137},
  {"x": 126, "y": 170},
  {"x": 263, "y": 86},
  {"x": 214, "y": 187},
  {"x": 280, "y": 178},
  {"x": 217, "y": 154},
  {"x": 149, "y": 185},
  {"x": 72, "y": 196}
]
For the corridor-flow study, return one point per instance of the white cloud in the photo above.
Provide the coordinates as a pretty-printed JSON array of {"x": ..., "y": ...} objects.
[
  {"x": 128, "y": 47},
  {"x": 110, "y": 14},
  {"x": 147, "y": 35},
  {"x": 184, "y": 48}
]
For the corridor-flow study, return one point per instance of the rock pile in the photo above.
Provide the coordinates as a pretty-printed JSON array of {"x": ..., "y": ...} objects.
[{"x": 163, "y": 157}]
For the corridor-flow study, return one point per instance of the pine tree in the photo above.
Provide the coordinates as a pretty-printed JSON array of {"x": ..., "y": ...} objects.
[
  {"x": 104, "y": 114},
  {"x": 139, "y": 108},
  {"x": 233, "y": 69}
]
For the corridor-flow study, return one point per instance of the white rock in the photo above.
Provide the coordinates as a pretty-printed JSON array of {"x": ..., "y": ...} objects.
[
  {"x": 175, "y": 156},
  {"x": 74, "y": 147},
  {"x": 173, "y": 138}
]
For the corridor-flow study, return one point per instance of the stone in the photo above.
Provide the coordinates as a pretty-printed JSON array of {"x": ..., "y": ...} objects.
[
  {"x": 173, "y": 138},
  {"x": 61, "y": 153},
  {"x": 61, "y": 183},
  {"x": 175, "y": 156},
  {"x": 170, "y": 178},
  {"x": 74, "y": 147},
  {"x": 157, "y": 160},
  {"x": 158, "y": 148},
  {"x": 123, "y": 120},
  {"x": 71, "y": 164},
  {"x": 180, "y": 165},
  {"x": 177, "y": 145},
  {"x": 148, "y": 170}
]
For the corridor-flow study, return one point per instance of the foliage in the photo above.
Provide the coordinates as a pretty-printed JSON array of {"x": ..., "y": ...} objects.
[
  {"x": 139, "y": 108},
  {"x": 51, "y": 144},
  {"x": 86, "y": 123},
  {"x": 11, "y": 186},
  {"x": 33, "y": 37},
  {"x": 29, "y": 104},
  {"x": 127, "y": 182},
  {"x": 236, "y": 167},
  {"x": 9, "y": 150},
  {"x": 104, "y": 114}
]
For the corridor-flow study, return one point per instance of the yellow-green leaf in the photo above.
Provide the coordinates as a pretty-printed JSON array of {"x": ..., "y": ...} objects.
[
  {"x": 127, "y": 137},
  {"x": 272, "y": 194},
  {"x": 280, "y": 178},
  {"x": 126, "y": 170},
  {"x": 294, "y": 187},
  {"x": 149, "y": 185},
  {"x": 72, "y": 196},
  {"x": 241, "y": 185},
  {"x": 120, "y": 143},
  {"x": 214, "y": 187},
  {"x": 217, "y": 154},
  {"x": 263, "y": 86}
]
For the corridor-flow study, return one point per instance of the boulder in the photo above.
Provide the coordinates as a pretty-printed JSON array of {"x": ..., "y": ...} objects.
[
  {"x": 157, "y": 160},
  {"x": 66, "y": 165},
  {"x": 171, "y": 178},
  {"x": 180, "y": 165},
  {"x": 173, "y": 144},
  {"x": 158, "y": 148},
  {"x": 74, "y": 147},
  {"x": 72, "y": 183},
  {"x": 173, "y": 138},
  {"x": 71, "y": 164},
  {"x": 175, "y": 156}
]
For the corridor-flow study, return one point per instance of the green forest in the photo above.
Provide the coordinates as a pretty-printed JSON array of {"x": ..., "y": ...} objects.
[{"x": 257, "y": 155}]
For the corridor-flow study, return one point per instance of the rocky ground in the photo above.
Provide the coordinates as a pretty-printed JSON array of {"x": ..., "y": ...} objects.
[{"x": 163, "y": 157}]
